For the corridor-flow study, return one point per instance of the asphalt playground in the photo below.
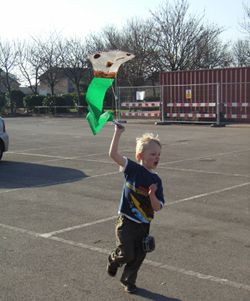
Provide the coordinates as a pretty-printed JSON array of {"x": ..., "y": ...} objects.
[{"x": 59, "y": 197}]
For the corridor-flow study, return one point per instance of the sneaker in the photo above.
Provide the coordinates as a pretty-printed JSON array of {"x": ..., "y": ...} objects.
[
  {"x": 111, "y": 270},
  {"x": 129, "y": 288}
]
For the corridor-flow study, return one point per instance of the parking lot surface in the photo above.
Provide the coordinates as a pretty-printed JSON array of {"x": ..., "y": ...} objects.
[{"x": 59, "y": 197}]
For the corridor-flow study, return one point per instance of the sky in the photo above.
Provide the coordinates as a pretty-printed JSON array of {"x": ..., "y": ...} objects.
[{"x": 78, "y": 18}]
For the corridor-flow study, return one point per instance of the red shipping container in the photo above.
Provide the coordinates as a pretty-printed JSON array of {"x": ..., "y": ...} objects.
[{"x": 201, "y": 86}]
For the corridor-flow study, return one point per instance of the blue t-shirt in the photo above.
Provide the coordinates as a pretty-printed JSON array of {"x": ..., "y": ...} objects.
[{"x": 135, "y": 202}]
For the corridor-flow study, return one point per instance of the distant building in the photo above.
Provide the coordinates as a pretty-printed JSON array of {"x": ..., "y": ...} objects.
[
  {"x": 64, "y": 84},
  {"x": 26, "y": 90},
  {"x": 14, "y": 83}
]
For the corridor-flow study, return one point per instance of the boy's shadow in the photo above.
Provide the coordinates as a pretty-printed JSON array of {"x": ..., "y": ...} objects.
[{"x": 153, "y": 296}]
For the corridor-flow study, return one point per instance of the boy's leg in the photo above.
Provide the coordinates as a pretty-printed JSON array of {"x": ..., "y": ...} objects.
[
  {"x": 131, "y": 269},
  {"x": 124, "y": 252}
]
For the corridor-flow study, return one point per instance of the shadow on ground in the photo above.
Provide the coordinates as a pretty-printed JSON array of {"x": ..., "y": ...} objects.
[
  {"x": 15, "y": 175},
  {"x": 153, "y": 296}
]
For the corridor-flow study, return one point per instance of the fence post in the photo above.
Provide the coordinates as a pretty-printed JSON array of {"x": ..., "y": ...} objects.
[
  {"x": 162, "y": 105},
  {"x": 118, "y": 104},
  {"x": 218, "y": 101},
  {"x": 218, "y": 105}
]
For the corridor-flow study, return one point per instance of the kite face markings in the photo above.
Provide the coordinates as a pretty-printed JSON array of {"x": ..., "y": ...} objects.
[{"x": 106, "y": 64}]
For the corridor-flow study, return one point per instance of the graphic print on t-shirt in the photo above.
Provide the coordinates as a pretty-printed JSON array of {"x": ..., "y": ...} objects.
[{"x": 140, "y": 198}]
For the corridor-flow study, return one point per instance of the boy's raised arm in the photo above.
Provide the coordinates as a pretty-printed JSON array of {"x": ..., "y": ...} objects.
[{"x": 113, "y": 151}]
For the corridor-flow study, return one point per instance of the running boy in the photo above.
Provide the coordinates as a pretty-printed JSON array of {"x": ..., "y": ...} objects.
[{"x": 142, "y": 195}]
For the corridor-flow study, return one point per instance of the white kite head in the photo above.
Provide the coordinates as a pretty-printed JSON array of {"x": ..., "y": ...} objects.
[{"x": 107, "y": 63}]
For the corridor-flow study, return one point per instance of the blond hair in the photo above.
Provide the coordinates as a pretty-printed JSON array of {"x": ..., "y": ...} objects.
[{"x": 142, "y": 143}]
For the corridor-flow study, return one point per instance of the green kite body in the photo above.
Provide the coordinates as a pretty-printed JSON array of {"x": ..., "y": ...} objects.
[{"x": 95, "y": 96}]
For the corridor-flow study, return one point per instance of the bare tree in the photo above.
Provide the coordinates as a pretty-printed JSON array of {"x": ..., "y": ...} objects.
[
  {"x": 109, "y": 38},
  {"x": 184, "y": 42},
  {"x": 241, "y": 48},
  {"x": 30, "y": 64},
  {"x": 245, "y": 24},
  {"x": 138, "y": 40},
  {"x": 50, "y": 51},
  {"x": 9, "y": 53},
  {"x": 210, "y": 52},
  {"x": 76, "y": 64}
]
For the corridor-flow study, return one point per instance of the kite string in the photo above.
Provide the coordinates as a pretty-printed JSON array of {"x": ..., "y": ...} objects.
[{"x": 116, "y": 99}]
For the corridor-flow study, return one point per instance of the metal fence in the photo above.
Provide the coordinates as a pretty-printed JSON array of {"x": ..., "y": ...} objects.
[
  {"x": 190, "y": 103},
  {"x": 211, "y": 103},
  {"x": 140, "y": 101},
  {"x": 236, "y": 100}
]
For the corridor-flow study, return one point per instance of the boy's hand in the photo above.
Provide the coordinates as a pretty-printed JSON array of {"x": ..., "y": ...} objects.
[
  {"x": 156, "y": 205},
  {"x": 119, "y": 127},
  {"x": 152, "y": 188},
  {"x": 113, "y": 150}
]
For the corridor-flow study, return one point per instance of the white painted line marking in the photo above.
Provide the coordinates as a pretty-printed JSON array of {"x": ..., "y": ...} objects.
[
  {"x": 198, "y": 275},
  {"x": 40, "y": 155},
  {"x": 16, "y": 229},
  {"x": 147, "y": 262},
  {"x": 47, "y": 235},
  {"x": 80, "y": 245},
  {"x": 105, "y": 153},
  {"x": 57, "y": 157},
  {"x": 203, "y": 157},
  {"x": 203, "y": 171},
  {"x": 206, "y": 194}
]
